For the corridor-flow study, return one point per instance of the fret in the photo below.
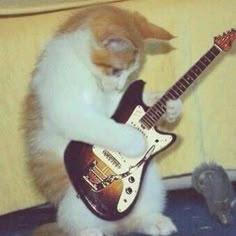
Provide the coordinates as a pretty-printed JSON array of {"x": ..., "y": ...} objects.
[
  {"x": 210, "y": 55},
  {"x": 178, "y": 85},
  {"x": 215, "y": 50},
  {"x": 170, "y": 96},
  {"x": 162, "y": 103},
  {"x": 165, "y": 98},
  {"x": 149, "y": 118},
  {"x": 184, "y": 82},
  {"x": 154, "y": 120},
  {"x": 201, "y": 65},
  {"x": 146, "y": 121},
  {"x": 177, "y": 90},
  {"x": 174, "y": 93},
  {"x": 160, "y": 106},
  {"x": 205, "y": 61},
  {"x": 181, "y": 86},
  {"x": 188, "y": 78},
  {"x": 156, "y": 110},
  {"x": 193, "y": 75},
  {"x": 196, "y": 70},
  {"x": 159, "y": 114},
  {"x": 152, "y": 115},
  {"x": 145, "y": 124}
]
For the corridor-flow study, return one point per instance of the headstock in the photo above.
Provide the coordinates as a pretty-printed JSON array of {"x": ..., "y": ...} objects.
[{"x": 225, "y": 40}]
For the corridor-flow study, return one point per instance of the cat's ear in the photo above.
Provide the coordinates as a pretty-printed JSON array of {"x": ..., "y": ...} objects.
[
  {"x": 149, "y": 30},
  {"x": 117, "y": 44}
]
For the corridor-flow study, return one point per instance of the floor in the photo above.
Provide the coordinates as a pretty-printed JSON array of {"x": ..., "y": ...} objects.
[{"x": 187, "y": 209}]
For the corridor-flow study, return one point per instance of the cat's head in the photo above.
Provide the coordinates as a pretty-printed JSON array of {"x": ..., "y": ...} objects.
[{"x": 116, "y": 42}]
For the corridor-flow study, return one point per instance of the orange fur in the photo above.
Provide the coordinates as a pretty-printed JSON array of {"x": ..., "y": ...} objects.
[
  {"x": 50, "y": 176},
  {"x": 109, "y": 21},
  {"x": 48, "y": 170},
  {"x": 108, "y": 60},
  {"x": 32, "y": 116}
]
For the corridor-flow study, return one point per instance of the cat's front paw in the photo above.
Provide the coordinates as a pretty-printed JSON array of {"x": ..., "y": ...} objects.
[
  {"x": 165, "y": 225},
  {"x": 159, "y": 225},
  {"x": 173, "y": 107},
  {"x": 173, "y": 110}
]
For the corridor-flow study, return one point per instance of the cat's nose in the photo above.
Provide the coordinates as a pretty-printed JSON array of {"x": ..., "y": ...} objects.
[{"x": 116, "y": 72}]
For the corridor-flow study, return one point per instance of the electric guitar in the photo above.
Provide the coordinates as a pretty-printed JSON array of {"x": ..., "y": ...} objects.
[{"x": 108, "y": 182}]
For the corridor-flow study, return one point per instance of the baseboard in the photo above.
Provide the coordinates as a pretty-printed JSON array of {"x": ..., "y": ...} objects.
[{"x": 185, "y": 180}]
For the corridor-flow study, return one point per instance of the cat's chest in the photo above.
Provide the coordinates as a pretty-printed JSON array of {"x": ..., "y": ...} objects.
[
  {"x": 102, "y": 103},
  {"x": 95, "y": 101}
]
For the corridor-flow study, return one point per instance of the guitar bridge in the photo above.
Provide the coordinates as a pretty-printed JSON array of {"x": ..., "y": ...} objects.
[{"x": 95, "y": 177}]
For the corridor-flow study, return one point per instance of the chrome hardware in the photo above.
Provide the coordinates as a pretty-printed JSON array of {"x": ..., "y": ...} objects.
[
  {"x": 133, "y": 168},
  {"x": 95, "y": 177},
  {"x": 128, "y": 190},
  {"x": 111, "y": 158},
  {"x": 131, "y": 179},
  {"x": 93, "y": 172}
]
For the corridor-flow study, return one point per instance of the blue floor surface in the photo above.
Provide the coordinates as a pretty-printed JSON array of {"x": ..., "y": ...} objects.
[{"x": 187, "y": 209}]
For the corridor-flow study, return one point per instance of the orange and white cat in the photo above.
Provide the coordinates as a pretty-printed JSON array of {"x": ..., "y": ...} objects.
[{"x": 76, "y": 87}]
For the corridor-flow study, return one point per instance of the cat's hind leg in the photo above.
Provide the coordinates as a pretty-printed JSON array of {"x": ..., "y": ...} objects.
[
  {"x": 77, "y": 220},
  {"x": 147, "y": 214}
]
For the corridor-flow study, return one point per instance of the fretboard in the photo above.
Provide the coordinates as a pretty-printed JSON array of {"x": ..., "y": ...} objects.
[{"x": 155, "y": 112}]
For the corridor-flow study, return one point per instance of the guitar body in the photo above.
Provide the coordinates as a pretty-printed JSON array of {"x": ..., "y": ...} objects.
[{"x": 107, "y": 181}]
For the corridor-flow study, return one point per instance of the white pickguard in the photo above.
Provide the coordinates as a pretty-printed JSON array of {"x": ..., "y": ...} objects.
[{"x": 155, "y": 142}]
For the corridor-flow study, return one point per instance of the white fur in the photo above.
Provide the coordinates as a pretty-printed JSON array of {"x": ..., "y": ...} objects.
[{"x": 77, "y": 104}]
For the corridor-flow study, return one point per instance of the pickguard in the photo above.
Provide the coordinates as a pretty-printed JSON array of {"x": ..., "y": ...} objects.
[{"x": 121, "y": 164}]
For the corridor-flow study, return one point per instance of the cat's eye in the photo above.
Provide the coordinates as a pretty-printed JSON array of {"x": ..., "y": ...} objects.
[{"x": 116, "y": 72}]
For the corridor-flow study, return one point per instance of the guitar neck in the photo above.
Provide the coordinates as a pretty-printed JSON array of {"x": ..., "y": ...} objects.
[{"x": 155, "y": 112}]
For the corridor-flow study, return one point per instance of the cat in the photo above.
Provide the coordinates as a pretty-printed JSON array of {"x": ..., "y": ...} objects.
[{"x": 76, "y": 86}]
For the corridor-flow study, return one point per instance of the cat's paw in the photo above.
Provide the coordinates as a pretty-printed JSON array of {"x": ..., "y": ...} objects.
[
  {"x": 159, "y": 225},
  {"x": 173, "y": 110},
  {"x": 173, "y": 107},
  {"x": 91, "y": 232},
  {"x": 134, "y": 143},
  {"x": 165, "y": 225}
]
